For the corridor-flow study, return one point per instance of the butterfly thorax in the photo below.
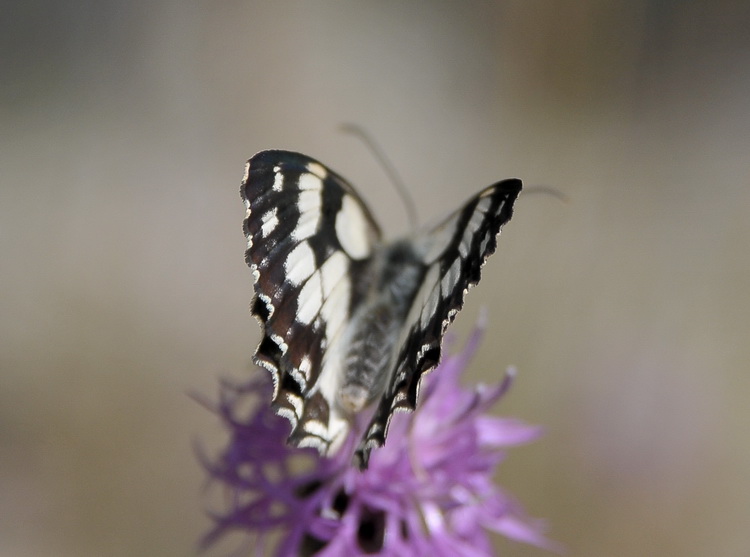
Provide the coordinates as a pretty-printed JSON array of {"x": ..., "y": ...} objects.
[{"x": 376, "y": 325}]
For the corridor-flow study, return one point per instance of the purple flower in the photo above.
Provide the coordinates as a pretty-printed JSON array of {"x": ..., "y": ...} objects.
[{"x": 428, "y": 491}]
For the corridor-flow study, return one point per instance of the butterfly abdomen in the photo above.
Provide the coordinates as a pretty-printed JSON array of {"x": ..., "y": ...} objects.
[
  {"x": 377, "y": 326},
  {"x": 368, "y": 356}
]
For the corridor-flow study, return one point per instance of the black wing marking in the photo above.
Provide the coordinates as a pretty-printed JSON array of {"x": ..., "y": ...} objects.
[
  {"x": 309, "y": 240},
  {"x": 454, "y": 253}
]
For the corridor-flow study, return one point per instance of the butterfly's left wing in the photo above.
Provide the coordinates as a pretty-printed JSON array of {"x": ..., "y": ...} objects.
[
  {"x": 453, "y": 254},
  {"x": 309, "y": 244}
]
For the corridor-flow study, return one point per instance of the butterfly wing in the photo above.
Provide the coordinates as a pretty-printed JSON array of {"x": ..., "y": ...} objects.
[
  {"x": 309, "y": 242},
  {"x": 453, "y": 254}
]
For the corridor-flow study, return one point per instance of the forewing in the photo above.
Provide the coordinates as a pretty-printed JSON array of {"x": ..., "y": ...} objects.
[
  {"x": 309, "y": 240},
  {"x": 453, "y": 253}
]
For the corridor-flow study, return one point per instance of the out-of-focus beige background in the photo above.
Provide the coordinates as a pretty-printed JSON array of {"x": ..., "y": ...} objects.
[{"x": 125, "y": 128}]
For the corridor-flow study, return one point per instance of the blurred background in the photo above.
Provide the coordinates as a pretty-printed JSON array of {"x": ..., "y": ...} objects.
[{"x": 125, "y": 129}]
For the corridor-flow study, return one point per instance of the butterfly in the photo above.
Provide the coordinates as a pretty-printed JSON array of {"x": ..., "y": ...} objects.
[{"x": 350, "y": 322}]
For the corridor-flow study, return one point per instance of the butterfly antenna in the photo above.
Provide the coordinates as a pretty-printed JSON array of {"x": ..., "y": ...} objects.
[
  {"x": 388, "y": 167},
  {"x": 547, "y": 190}
]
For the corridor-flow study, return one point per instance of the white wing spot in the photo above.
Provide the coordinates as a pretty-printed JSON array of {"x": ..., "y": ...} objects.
[
  {"x": 484, "y": 202},
  {"x": 278, "y": 179},
  {"x": 296, "y": 403},
  {"x": 247, "y": 172},
  {"x": 309, "y": 300},
  {"x": 299, "y": 264},
  {"x": 305, "y": 365},
  {"x": 451, "y": 278},
  {"x": 422, "y": 351},
  {"x": 429, "y": 309},
  {"x": 475, "y": 222},
  {"x": 309, "y": 182},
  {"x": 312, "y": 442},
  {"x": 298, "y": 377},
  {"x": 430, "y": 295},
  {"x": 332, "y": 271},
  {"x": 352, "y": 228},
  {"x": 307, "y": 225},
  {"x": 267, "y": 302},
  {"x": 270, "y": 221},
  {"x": 280, "y": 343},
  {"x": 318, "y": 169},
  {"x": 315, "y": 427},
  {"x": 309, "y": 200},
  {"x": 335, "y": 310},
  {"x": 289, "y": 414},
  {"x": 431, "y": 279}
]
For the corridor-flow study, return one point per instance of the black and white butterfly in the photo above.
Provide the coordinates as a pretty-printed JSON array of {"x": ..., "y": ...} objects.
[{"x": 350, "y": 322}]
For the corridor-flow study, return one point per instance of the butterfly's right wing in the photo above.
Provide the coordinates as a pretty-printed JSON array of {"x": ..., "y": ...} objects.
[
  {"x": 453, "y": 254},
  {"x": 309, "y": 241}
]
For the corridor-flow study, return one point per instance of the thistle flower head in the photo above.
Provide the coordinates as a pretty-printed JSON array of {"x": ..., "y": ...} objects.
[{"x": 428, "y": 491}]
